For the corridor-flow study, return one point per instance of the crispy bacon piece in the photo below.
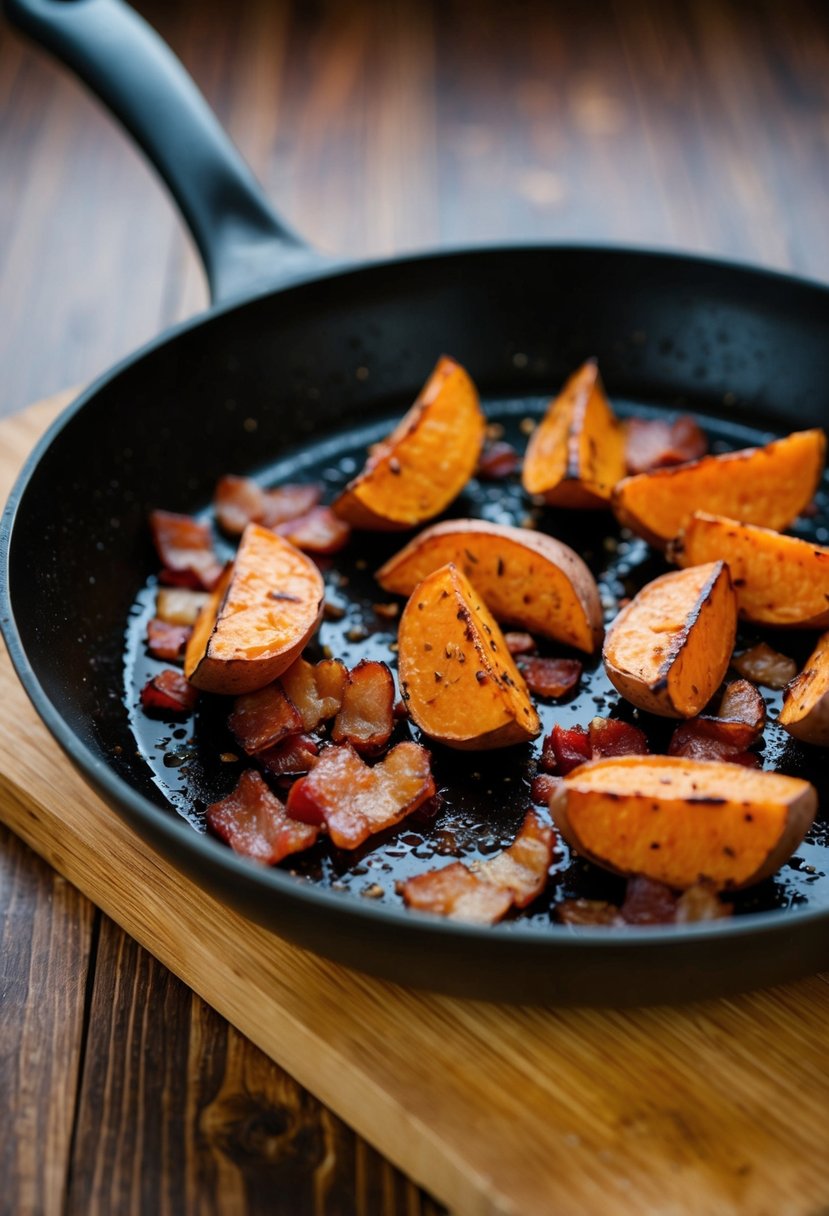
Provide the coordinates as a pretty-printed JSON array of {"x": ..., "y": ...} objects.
[
  {"x": 564, "y": 749},
  {"x": 166, "y": 641},
  {"x": 726, "y": 736},
  {"x": 550, "y": 677},
  {"x": 255, "y": 823},
  {"x": 519, "y": 643},
  {"x": 168, "y": 693},
  {"x": 648, "y": 903},
  {"x": 366, "y": 719},
  {"x": 700, "y": 902},
  {"x": 653, "y": 443},
  {"x": 262, "y": 718},
  {"x": 239, "y": 501},
  {"x": 315, "y": 689},
  {"x": 498, "y": 461},
  {"x": 185, "y": 549},
  {"x": 319, "y": 531},
  {"x": 485, "y": 891},
  {"x": 543, "y": 787},
  {"x": 742, "y": 703},
  {"x": 613, "y": 737},
  {"x": 765, "y": 666},
  {"x": 179, "y": 605},
  {"x": 355, "y": 801},
  {"x": 587, "y": 912},
  {"x": 291, "y": 757}
]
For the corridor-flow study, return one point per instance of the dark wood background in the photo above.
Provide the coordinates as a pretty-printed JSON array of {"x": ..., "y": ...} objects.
[{"x": 375, "y": 127}]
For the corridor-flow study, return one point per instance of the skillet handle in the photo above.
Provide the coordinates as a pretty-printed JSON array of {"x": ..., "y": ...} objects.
[{"x": 241, "y": 240}]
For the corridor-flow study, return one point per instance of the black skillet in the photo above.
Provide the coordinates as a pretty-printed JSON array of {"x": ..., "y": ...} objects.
[{"x": 297, "y": 365}]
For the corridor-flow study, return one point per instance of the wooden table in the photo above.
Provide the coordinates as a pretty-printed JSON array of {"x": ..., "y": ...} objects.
[{"x": 375, "y": 127}]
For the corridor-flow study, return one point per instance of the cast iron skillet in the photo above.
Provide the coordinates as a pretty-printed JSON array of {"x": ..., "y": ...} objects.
[{"x": 302, "y": 356}]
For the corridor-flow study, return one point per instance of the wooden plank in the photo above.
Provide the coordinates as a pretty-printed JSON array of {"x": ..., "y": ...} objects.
[{"x": 720, "y": 1107}]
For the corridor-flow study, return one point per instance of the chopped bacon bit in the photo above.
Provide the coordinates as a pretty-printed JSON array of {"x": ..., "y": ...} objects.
[
  {"x": 399, "y": 710},
  {"x": 315, "y": 690},
  {"x": 498, "y": 460},
  {"x": 319, "y": 531},
  {"x": 255, "y": 823},
  {"x": 168, "y": 693},
  {"x": 587, "y": 912},
  {"x": 262, "y": 718},
  {"x": 185, "y": 549},
  {"x": 550, "y": 677},
  {"x": 166, "y": 641},
  {"x": 742, "y": 703},
  {"x": 485, "y": 891},
  {"x": 613, "y": 737},
  {"x": 386, "y": 612},
  {"x": 239, "y": 501},
  {"x": 700, "y": 902},
  {"x": 654, "y": 443},
  {"x": 291, "y": 758},
  {"x": 765, "y": 666},
  {"x": 740, "y": 721},
  {"x": 179, "y": 606},
  {"x": 542, "y": 788},
  {"x": 355, "y": 801},
  {"x": 565, "y": 748},
  {"x": 366, "y": 719},
  {"x": 648, "y": 903},
  {"x": 519, "y": 643}
]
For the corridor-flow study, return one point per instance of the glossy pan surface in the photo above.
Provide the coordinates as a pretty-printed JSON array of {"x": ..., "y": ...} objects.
[{"x": 310, "y": 372}]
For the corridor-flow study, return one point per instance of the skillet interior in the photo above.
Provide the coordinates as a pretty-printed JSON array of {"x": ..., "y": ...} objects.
[{"x": 235, "y": 391}]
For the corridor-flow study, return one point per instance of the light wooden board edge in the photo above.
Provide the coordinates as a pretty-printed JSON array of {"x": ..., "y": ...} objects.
[{"x": 720, "y": 1107}]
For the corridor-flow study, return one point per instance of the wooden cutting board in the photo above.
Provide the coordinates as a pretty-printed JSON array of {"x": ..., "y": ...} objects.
[{"x": 720, "y": 1107}]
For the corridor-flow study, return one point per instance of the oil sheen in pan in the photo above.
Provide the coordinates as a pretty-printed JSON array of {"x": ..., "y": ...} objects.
[{"x": 482, "y": 796}]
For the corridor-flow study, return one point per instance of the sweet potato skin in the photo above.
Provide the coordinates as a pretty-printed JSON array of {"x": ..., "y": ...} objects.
[
  {"x": 258, "y": 620},
  {"x": 682, "y": 821},
  {"x": 805, "y": 712},
  {"x": 526, "y": 578},
  {"x": 768, "y": 486},
  {"x": 669, "y": 648},
  {"x": 779, "y": 580},
  {"x": 459, "y": 681},
  {"x": 425, "y": 462},
  {"x": 577, "y": 454}
]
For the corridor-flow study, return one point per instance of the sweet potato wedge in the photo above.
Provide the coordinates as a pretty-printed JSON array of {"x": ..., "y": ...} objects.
[
  {"x": 683, "y": 821},
  {"x": 526, "y": 578},
  {"x": 425, "y": 462},
  {"x": 457, "y": 677},
  {"x": 668, "y": 650},
  {"x": 768, "y": 486},
  {"x": 577, "y": 454},
  {"x": 779, "y": 580},
  {"x": 805, "y": 712},
  {"x": 260, "y": 616}
]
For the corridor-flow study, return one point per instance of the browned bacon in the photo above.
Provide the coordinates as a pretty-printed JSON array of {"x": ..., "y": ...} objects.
[
  {"x": 550, "y": 677},
  {"x": 366, "y": 719},
  {"x": 654, "y": 443},
  {"x": 185, "y": 549},
  {"x": 254, "y": 822}
]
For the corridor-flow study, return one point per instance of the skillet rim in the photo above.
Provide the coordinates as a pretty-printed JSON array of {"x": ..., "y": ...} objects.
[{"x": 212, "y": 854}]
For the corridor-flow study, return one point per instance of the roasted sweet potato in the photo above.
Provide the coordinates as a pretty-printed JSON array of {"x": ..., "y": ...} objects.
[
  {"x": 425, "y": 462},
  {"x": 805, "y": 712},
  {"x": 316, "y": 689},
  {"x": 682, "y": 821},
  {"x": 577, "y": 454},
  {"x": 769, "y": 486},
  {"x": 459, "y": 681},
  {"x": 354, "y": 801},
  {"x": 255, "y": 823},
  {"x": 779, "y": 580},
  {"x": 260, "y": 616},
  {"x": 668, "y": 650},
  {"x": 366, "y": 717},
  {"x": 526, "y": 578}
]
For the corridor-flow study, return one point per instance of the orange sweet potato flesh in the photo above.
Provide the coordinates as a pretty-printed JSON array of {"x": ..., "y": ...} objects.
[
  {"x": 459, "y": 681},
  {"x": 577, "y": 454},
  {"x": 768, "y": 486},
  {"x": 425, "y": 462},
  {"x": 805, "y": 712},
  {"x": 669, "y": 649},
  {"x": 682, "y": 821},
  {"x": 263, "y": 612},
  {"x": 779, "y": 580},
  {"x": 526, "y": 578}
]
